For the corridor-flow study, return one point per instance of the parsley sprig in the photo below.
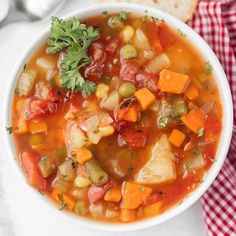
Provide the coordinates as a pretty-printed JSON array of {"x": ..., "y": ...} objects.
[{"x": 76, "y": 38}]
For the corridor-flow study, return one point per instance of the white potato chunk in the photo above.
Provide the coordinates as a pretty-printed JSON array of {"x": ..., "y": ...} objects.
[
  {"x": 157, "y": 63},
  {"x": 160, "y": 168}
]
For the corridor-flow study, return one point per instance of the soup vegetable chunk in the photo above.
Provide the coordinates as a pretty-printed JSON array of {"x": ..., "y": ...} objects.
[{"x": 117, "y": 118}]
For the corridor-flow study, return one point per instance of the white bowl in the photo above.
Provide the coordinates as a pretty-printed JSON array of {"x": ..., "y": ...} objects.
[{"x": 227, "y": 119}]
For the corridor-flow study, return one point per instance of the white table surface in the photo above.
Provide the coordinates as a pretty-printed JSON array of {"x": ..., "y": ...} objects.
[{"x": 21, "y": 213}]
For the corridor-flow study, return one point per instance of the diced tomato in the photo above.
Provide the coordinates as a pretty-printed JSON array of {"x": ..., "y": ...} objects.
[
  {"x": 148, "y": 80},
  {"x": 212, "y": 124},
  {"x": 128, "y": 70},
  {"x": 95, "y": 193},
  {"x": 112, "y": 45},
  {"x": 29, "y": 163},
  {"x": 53, "y": 95},
  {"x": 98, "y": 55},
  {"x": 108, "y": 185},
  {"x": 153, "y": 198},
  {"x": 209, "y": 154},
  {"x": 165, "y": 36},
  {"x": 46, "y": 93},
  {"x": 134, "y": 139},
  {"x": 35, "y": 108}
]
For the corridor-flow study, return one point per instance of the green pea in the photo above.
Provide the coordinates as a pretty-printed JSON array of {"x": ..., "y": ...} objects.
[
  {"x": 126, "y": 89},
  {"x": 128, "y": 51}
]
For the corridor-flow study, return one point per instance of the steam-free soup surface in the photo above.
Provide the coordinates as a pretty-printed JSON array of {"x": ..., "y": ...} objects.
[{"x": 117, "y": 122}]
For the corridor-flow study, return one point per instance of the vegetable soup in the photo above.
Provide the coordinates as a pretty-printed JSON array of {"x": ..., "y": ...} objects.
[{"x": 117, "y": 118}]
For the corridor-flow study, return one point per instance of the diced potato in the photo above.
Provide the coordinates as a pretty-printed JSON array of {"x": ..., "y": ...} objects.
[
  {"x": 160, "y": 168},
  {"x": 26, "y": 82},
  {"x": 45, "y": 64},
  {"x": 140, "y": 40},
  {"x": 67, "y": 170},
  {"x": 111, "y": 214},
  {"x": 127, "y": 33},
  {"x": 96, "y": 210},
  {"x": 193, "y": 163},
  {"x": 157, "y": 63}
]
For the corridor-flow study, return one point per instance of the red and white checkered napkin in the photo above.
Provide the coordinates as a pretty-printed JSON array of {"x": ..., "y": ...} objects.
[{"x": 215, "y": 21}]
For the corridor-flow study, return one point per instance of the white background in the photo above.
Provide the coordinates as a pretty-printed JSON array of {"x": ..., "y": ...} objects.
[{"x": 21, "y": 212}]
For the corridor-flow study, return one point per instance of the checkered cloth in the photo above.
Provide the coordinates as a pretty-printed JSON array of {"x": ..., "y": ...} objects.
[{"x": 215, "y": 21}]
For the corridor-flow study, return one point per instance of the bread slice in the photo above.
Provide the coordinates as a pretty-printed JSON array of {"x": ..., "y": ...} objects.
[{"x": 182, "y": 9}]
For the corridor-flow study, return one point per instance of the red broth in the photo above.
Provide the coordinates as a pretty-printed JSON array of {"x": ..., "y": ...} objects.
[{"x": 140, "y": 142}]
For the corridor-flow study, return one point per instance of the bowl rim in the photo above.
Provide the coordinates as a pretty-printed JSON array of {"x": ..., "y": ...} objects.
[{"x": 222, "y": 83}]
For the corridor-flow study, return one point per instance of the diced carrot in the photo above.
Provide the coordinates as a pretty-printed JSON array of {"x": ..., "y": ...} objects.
[
  {"x": 113, "y": 195},
  {"x": 172, "y": 82},
  {"x": 128, "y": 114},
  {"x": 38, "y": 127},
  {"x": 83, "y": 155},
  {"x": 21, "y": 127},
  {"x": 194, "y": 120},
  {"x": 153, "y": 209},
  {"x": 58, "y": 196},
  {"x": 176, "y": 137},
  {"x": 145, "y": 97},
  {"x": 127, "y": 215},
  {"x": 192, "y": 92},
  {"x": 134, "y": 195}
]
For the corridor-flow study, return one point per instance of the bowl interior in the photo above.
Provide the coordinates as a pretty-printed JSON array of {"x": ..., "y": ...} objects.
[{"x": 221, "y": 80}]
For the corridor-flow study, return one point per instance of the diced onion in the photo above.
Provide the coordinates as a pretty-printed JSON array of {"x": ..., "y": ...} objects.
[
  {"x": 111, "y": 101},
  {"x": 45, "y": 64},
  {"x": 90, "y": 124},
  {"x": 26, "y": 82},
  {"x": 157, "y": 63},
  {"x": 104, "y": 119}
]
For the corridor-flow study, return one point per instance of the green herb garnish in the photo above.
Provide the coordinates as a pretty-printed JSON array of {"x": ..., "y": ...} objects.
[
  {"x": 184, "y": 71},
  {"x": 141, "y": 189},
  {"x": 63, "y": 204},
  {"x": 201, "y": 132},
  {"x": 130, "y": 169},
  {"x": 105, "y": 13},
  {"x": 209, "y": 68},
  {"x": 181, "y": 33},
  {"x": 163, "y": 122},
  {"x": 106, "y": 78},
  {"x": 76, "y": 37},
  {"x": 123, "y": 16},
  {"x": 9, "y": 130}
]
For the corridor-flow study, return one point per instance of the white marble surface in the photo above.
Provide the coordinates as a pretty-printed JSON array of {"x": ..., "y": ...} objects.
[{"x": 21, "y": 213}]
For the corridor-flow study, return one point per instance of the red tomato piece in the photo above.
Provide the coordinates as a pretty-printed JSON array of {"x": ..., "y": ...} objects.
[
  {"x": 35, "y": 108},
  {"x": 212, "y": 124},
  {"x": 95, "y": 194},
  {"x": 29, "y": 163},
  {"x": 128, "y": 70},
  {"x": 153, "y": 198},
  {"x": 112, "y": 45},
  {"x": 98, "y": 55},
  {"x": 108, "y": 185},
  {"x": 148, "y": 80},
  {"x": 134, "y": 139}
]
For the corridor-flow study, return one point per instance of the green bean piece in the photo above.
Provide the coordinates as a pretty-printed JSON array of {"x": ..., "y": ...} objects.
[
  {"x": 81, "y": 208},
  {"x": 128, "y": 51},
  {"x": 126, "y": 89},
  {"x": 179, "y": 107},
  {"x": 96, "y": 173},
  {"x": 115, "y": 23}
]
